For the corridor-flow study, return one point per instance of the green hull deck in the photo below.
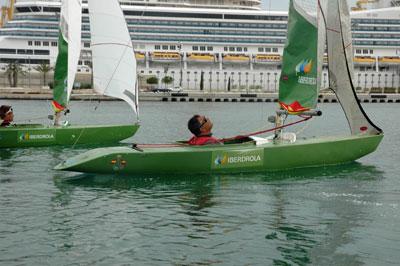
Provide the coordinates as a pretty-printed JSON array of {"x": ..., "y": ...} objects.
[
  {"x": 230, "y": 158},
  {"x": 35, "y": 135}
]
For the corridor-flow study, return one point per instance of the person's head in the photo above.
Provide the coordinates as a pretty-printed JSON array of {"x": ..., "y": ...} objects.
[
  {"x": 199, "y": 124},
  {"x": 6, "y": 113}
]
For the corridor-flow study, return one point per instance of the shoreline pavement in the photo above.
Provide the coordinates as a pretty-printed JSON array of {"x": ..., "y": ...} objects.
[{"x": 185, "y": 96}]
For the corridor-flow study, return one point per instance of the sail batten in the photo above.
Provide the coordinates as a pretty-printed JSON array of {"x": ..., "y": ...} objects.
[
  {"x": 340, "y": 63},
  {"x": 114, "y": 65}
]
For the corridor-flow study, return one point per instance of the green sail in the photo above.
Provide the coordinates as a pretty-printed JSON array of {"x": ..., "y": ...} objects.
[
  {"x": 60, "y": 92},
  {"x": 298, "y": 81}
]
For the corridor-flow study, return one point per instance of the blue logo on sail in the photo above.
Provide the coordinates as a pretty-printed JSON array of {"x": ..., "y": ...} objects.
[{"x": 304, "y": 67}]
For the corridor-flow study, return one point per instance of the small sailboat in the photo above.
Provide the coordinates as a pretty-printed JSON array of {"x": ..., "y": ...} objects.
[
  {"x": 114, "y": 68},
  {"x": 299, "y": 86}
]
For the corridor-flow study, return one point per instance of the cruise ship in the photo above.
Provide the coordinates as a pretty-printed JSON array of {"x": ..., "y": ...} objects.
[{"x": 202, "y": 44}]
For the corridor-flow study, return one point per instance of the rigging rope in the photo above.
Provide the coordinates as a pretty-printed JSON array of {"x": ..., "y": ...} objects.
[{"x": 305, "y": 118}]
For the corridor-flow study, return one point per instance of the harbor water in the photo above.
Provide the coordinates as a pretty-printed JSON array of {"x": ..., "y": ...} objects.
[{"x": 339, "y": 215}]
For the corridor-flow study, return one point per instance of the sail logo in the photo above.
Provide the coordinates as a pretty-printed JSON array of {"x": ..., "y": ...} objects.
[
  {"x": 235, "y": 159},
  {"x": 304, "y": 67}
]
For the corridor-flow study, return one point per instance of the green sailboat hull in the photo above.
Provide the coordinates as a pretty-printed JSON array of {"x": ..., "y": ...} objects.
[
  {"x": 230, "y": 158},
  {"x": 36, "y": 135}
]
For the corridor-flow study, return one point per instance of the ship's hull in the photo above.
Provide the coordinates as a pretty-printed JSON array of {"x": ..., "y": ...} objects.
[
  {"x": 36, "y": 135},
  {"x": 231, "y": 158}
]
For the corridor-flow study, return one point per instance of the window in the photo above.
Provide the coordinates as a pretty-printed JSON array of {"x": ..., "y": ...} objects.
[
  {"x": 45, "y": 43},
  {"x": 86, "y": 44},
  {"x": 37, "y": 43},
  {"x": 365, "y": 51},
  {"x": 239, "y": 49},
  {"x": 165, "y": 47},
  {"x": 30, "y": 43},
  {"x": 202, "y": 48},
  {"x": 80, "y": 62},
  {"x": 226, "y": 49},
  {"x": 7, "y": 51},
  {"x": 245, "y": 49},
  {"x": 274, "y": 50},
  {"x": 371, "y": 51},
  {"x": 157, "y": 47},
  {"x": 358, "y": 51},
  {"x": 41, "y": 52},
  {"x": 172, "y": 47},
  {"x": 195, "y": 48},
  {"x": 209, "y": 48},
  {"x": 267, "y": 49},
  {"x": 260, "y": 49},
  {"x": 231, "y": 49},
  {"x": 53, "y": 43}
]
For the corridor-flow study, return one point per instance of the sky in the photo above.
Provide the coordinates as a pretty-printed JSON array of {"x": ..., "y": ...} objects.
[{"x": 282, "y": 5}]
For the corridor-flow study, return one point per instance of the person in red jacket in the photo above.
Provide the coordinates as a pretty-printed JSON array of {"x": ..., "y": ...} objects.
[
  {"x": 6, "y": 115},
  {"x": 201, "y": 127}
]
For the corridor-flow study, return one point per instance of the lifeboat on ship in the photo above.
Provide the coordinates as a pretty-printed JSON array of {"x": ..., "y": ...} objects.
[
  {"x": 389, "y": 60},
  {"x": 267, "y": 58},
  {"x": 140, "y": 56},
  {"x": 165, "y": 57},
  {"x": 236, "y": 58},
  {"x": 202, "y": 58},
  {"x": 364, "y": 60}
]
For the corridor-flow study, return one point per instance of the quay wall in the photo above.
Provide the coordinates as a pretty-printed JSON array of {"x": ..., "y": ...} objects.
[{"x": 188, "y": 96}]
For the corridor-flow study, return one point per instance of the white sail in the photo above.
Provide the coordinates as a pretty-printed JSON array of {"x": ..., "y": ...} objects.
[
  {"x": 71, "y": 23},
  {"x": 340, "y": 53},
  {"x": 114, "y": 63}
]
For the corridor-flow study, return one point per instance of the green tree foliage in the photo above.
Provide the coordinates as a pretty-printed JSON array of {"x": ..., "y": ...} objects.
[
  {"x": 167, "y": 80},
  {"x": 44, "y": 69},
  {"x": 12, "y": 72},
  {"x": 152, "y": 80}
]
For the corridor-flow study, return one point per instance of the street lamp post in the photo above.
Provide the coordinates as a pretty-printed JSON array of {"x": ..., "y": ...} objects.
[
  {"x": 29, "y": 72},
  {"x": 180, "y": 64},
  {"x": 247, "y": 82},
  {"x": 210, "y": 79},
  {"x": 372, "y": 79},
  {"x": 386, "y": 75},
  {"x": 365, "y": 81},
  {"x": 392, "y": 80}
]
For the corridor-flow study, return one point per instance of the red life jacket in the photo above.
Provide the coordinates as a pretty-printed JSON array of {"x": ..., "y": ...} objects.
[{"x": 203, "y": 140}]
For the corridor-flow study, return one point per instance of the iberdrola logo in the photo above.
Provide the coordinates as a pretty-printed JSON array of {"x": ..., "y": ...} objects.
[
  {"x": 24, "y": 136},
  {"x": 304, "y": 67},
  {"x": 221, "y": 160}
]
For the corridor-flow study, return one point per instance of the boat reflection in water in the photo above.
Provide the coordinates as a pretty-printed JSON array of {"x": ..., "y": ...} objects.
[{"x": 287, "y": 217}]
